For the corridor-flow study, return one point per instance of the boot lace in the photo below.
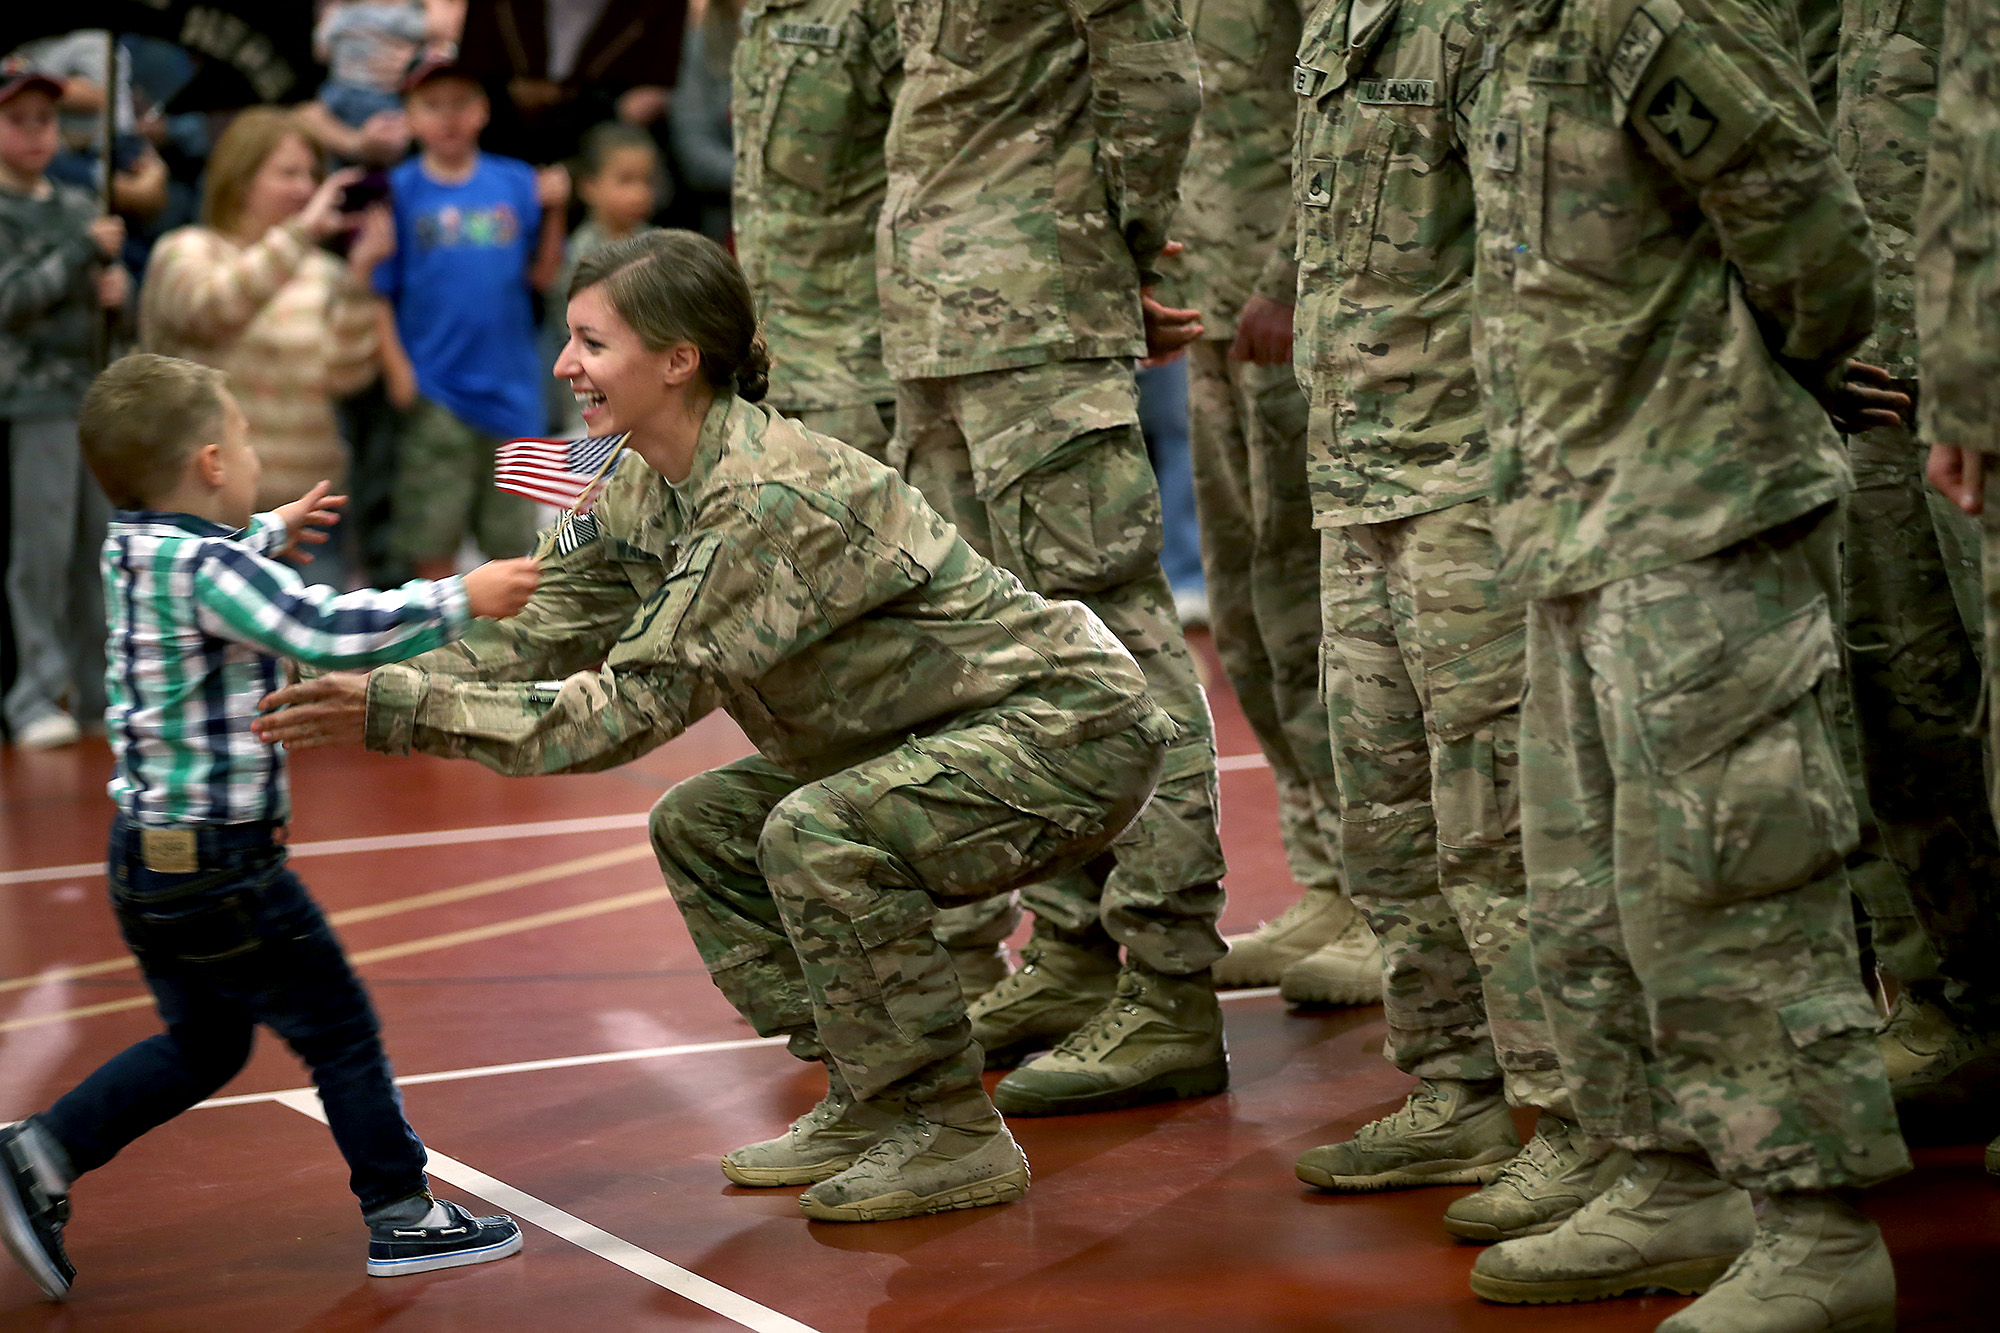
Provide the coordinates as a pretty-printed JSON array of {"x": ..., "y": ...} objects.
[{"x": 1106, "y": 1026}]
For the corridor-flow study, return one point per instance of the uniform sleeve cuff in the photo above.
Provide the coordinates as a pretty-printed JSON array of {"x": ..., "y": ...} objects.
[{"x": 394, "y": 694}]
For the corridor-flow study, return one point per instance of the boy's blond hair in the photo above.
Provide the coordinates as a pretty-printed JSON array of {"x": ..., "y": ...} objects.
[{"x": 142, "y": 417}]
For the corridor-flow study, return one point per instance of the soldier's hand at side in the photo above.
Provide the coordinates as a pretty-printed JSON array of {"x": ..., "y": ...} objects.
[
  {"x": 1263, "y": 333},
  {"x": 315, "y": 509},
  {"x": 1168, "y": 331},
  {"x": 326, "y": 710},
  {"x": 500, "y": 588},
  {"x": 1867, "y": 398},
  {"x": 1959, "y": 476}
]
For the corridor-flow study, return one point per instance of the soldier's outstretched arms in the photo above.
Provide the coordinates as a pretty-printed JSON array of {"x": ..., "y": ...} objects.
[
  {"x": 1718, "y": 92},
  {"x": 1145, "y": 96}
]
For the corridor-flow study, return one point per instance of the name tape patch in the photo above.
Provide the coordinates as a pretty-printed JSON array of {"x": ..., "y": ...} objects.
[
  {"x": 1396, "y": 92},
  {"x": 1558, "y": 69},
  {"x": 795, "y": 32}
]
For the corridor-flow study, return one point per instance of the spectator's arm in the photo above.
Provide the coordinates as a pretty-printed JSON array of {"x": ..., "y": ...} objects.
[
  {"x": 399, "y": 377},
  {"x": 353, "y": 337},
  {"x": 379, "y": 142},
  {"x": 698, "y": 123},
  {"x": 206, "y": 293},
  {"x": 42, "y": 273},
  {"x": 141, "y": 191},
  {"x": 552, "y": 197}
]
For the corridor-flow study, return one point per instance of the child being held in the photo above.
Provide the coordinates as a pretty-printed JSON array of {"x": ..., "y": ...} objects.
[{"x": 226, "y": 936}]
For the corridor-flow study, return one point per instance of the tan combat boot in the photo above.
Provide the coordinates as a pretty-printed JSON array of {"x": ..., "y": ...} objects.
[
  {"x": 1447, "y": 1132},
  {"x": 1533, "y": 1191},
  {"x": 1346, "y": 970},
  {"x": 1060, "y": 986},
  {"x": 1261, "y": 957},
  {"x": 1816, "y": 1266},
  {"x": 980, "y": 968},
  {"x": 1160, "y": 1039},
  {"x": 1667, "y": 1223},
  {"x": 1916, "y": 1034},
  {"x": 823, "y": 1142},
  {"x": 932, "y": 1159}
]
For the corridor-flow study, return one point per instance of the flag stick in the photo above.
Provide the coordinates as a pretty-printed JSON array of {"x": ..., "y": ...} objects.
[{"x": 588, "y": 493}]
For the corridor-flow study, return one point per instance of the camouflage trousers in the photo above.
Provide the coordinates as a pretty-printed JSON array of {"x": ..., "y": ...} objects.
[
  {"x": 1044, "y": 471},
  {"x": 1423, "y": 687},
  {"x": 870, "y": 427},
  {"x": 811, "y": 902},
  {"x": 864, "y": 426},
  {"x": 444, "y": 490},
  {"x": 1258, "y": 555},
  {"x": 1686, "y": 815},
  {"x": 1913, "y": 619}
]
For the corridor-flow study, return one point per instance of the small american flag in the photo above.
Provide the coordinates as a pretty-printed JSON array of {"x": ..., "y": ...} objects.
[{"x": 563, "y": 473}]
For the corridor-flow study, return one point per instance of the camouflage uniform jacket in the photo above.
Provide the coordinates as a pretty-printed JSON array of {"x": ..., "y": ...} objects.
[
  {"x": 791, "y": 581},
  {"x": 1888, "y": 93},
  {"x": 1661, "y": 221},
  {"x": 1385, "y": 245},
  {"x": 1958, "y": 237},
  {"x": 1033, "y": 160},
  {"x": 814, "y": 80},
  {"x": 1236, "y": 188}
]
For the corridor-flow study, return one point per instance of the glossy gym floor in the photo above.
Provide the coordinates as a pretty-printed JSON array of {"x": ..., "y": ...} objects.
[{"x": 567, "y": 1060}]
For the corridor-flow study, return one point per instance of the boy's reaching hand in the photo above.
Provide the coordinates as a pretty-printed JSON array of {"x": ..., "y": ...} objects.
[
  {"x": 304, "y": 517},
  {"x": 500, "y": 588}
]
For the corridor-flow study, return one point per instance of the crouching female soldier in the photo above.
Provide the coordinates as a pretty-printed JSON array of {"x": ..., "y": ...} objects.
[{"x": 929, "y": 731}]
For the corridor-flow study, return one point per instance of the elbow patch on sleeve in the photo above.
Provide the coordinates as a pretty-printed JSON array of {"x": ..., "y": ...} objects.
[{"x": 1688, "y": 100}]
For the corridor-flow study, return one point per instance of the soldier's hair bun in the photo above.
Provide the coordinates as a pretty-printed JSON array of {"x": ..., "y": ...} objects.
[
  {"x": 677, "y": 287},
  {"x": 753, "y": 377}
]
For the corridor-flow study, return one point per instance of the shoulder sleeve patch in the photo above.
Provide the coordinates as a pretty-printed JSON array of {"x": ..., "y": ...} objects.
[
  {"x": 1681, "y": 118},
  {"x": 1638, "y": 43}
]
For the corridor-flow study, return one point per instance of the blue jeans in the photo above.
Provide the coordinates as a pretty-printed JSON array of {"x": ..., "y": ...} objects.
[
  {"x": 236, "y": 943},
  {"x": 1163, "y": 417}
]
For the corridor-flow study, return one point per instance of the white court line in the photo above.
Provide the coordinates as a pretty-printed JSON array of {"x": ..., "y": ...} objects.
[
  {"x": 525, "y": 1207},
  {"x": 574, "y": 1061},
  {"x": 392, "y": 842}
]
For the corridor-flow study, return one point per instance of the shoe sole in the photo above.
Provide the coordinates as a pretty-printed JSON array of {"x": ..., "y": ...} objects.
[
  {"x": 1331, "y": 996},
  {"x": 431, "y": 1263},
  {"x": 1172, "y": 1086},
  {"x": 1687, "y": 1277},
  {"x": 26, "y": 1246},
  {"x": 1003, "y": 1188},
  {"x": 770, "y": 1177},
  {"x": 1460, "y": 1171}
]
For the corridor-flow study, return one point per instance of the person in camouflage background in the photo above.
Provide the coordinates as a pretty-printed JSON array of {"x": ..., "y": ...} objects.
[
  {"x": 814, "y": 81},
  {"x": 1247, "y": 431},
  {"x": 1672, "y": 268},
  {"x": 1913, "y": 618},
  {"x": 1423, "y": 656},
  {"x": 1033, "y": 157},
  {"x": 928, "y": 731},
  {"x": 1958, "y": 304}
]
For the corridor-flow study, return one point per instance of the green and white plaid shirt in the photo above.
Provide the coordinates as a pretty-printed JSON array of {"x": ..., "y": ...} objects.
[{"x": 199, "y": 616}]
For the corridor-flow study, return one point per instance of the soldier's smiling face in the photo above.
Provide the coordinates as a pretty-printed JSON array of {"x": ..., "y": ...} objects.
[{"x": 616, "y": 380}]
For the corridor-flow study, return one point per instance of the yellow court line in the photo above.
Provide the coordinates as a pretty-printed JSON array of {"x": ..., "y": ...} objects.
[
  {"x": 598, "y": 907},
  {"x": 478, "y": 889}
]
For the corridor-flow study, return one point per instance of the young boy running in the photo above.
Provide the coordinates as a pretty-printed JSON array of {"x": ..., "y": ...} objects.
[{"x": 225, "y": 934}]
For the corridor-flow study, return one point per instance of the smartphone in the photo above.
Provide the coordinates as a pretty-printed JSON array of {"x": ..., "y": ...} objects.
[{"x": 371, "y": 189}]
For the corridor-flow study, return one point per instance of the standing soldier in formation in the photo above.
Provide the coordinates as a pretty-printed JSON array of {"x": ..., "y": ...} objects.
[
  {"x": 1033, "y": 160},
  {"x": 1672, "y": 267},
  {"x": 1424, "y": 655},
  {"x": 1958, "y": 298},
  {"x": 1913, "y": 619},
  {"x": 814, "y": 83},
  {"x": 1248, "y": 430}
]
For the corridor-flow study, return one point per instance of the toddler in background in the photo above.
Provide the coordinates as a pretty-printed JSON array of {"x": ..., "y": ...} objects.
[
  {"x": 619, "y": 179},
  {"x": 368, "y": 44}
]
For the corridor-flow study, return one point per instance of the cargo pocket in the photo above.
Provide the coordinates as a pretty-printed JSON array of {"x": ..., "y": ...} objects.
[
  {"x": 1754, "y": 799},
  {"x": 1475, "y": 795},
  {"x": 1083, "y": 518},
  {"x": 910, "y": 973}
]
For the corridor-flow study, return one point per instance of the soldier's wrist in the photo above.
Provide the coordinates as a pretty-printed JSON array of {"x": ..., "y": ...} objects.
[{"x": 394, "y": 695}]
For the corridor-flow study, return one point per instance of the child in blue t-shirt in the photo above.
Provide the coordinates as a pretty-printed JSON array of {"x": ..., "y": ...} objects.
[{"x": 476, "y": 235}]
